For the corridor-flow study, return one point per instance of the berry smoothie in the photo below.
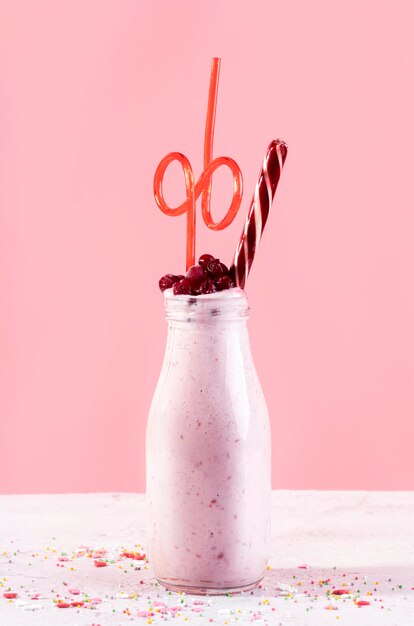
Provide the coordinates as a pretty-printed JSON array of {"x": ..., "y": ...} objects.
[{"x": 208, "y": 450}]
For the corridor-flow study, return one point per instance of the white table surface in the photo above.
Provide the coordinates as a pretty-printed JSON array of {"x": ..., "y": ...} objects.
[{"x": 356, "y": 541}]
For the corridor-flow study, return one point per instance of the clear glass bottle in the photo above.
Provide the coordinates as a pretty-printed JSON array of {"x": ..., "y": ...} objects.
[{"x": 208, "y": 451}]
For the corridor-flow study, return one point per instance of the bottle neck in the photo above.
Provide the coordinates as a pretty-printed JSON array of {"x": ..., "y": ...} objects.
[{"x": 207, "y": 331}]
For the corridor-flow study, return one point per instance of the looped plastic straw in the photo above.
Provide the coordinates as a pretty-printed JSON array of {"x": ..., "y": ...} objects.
[
  {"x": 204, "y": 183},
  {"x": 188, "y": 206}
]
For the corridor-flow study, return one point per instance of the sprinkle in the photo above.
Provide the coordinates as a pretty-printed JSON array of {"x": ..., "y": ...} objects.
[
  {"x": 9, "y": 595},
  {"x": 285, "y": 588},
  {"x": 340, "y": 592},
  {"x": 134, "y": 555},
  {"x": 100, "y": 564},
  {"x": 63, "y": 605},
  {"x": 363, "y": 603},
  {"x": 32, "y": 607}
]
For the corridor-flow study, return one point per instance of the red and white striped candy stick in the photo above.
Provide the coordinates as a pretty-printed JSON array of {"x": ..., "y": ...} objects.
[{"x": 259, "y": 211}]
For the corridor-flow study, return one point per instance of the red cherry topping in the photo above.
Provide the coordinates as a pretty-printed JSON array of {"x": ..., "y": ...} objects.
[
  {"x": 196, "y": 274},
  {"x": 204, "y": 259},
  {"x": 208, "y": 276},
  {"x": 208, "y": 286},
  {"x": 224, "y": 282},
  {"x": 182, "y": 287},
  {"x": 214, "y": 268},
  {"x": 167, "y": 281}
]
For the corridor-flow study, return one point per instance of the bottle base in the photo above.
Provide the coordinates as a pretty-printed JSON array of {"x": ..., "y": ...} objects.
[{"x": 206, "y": 591}]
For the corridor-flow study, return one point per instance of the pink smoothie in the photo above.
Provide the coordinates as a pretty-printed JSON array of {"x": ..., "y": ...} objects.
[{"x": 208, "y": 451}]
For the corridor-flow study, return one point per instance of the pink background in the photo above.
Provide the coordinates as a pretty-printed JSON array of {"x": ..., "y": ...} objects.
[{"x": 93, "y": 94}]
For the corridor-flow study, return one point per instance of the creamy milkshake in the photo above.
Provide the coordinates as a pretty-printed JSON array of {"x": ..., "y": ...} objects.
[{"x": 208, "y": 451}]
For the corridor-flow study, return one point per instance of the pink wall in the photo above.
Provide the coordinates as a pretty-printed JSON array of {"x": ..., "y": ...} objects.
[{"x": 93, "y": 94}]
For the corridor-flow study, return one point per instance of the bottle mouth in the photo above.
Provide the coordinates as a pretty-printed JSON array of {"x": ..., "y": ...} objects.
[{"x": 226, "y": 304}]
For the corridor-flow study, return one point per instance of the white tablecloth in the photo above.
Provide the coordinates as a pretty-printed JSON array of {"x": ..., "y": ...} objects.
[{"x": 358, "y": 542}]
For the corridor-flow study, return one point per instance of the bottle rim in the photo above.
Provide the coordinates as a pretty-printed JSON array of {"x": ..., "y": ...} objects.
[{"x": 227, "y": 304}]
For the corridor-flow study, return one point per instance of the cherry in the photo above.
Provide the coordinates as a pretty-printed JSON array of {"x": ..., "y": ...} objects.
[
  {"x": 182, "y": 287},
  {"x": 208, "y": 286},
  {"x": 204, "y": 259},
  {"x": 197, "y": 290},
  {"x": 196, "y": 274},
  {"x": 224, "y": 268},
  {"x": 224, "y": 282},
  {"x": 167, "y": 281},
  {"x": 214, "y": 268}
]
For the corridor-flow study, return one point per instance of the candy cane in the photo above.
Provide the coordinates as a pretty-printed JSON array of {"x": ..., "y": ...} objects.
[{"x": 259, "y": 211}]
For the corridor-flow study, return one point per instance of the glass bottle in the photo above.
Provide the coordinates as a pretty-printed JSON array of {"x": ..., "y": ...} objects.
[{"x": 208, "y": 451}]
